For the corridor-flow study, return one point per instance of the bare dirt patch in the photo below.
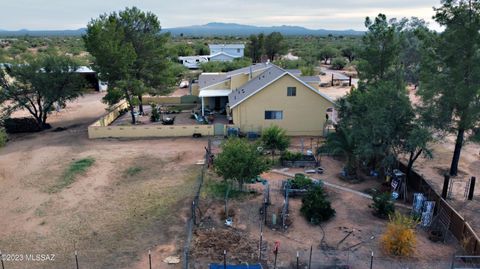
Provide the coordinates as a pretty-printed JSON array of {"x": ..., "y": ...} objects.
[
  {"x": 345, "y": 240},
  {"x": 112, "y": 218}
]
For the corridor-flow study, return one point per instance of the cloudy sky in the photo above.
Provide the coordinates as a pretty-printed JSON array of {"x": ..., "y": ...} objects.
[{"x": 315, "y": 14}]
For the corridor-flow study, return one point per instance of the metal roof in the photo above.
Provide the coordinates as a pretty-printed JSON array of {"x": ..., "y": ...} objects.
[
  {"x": 223, "y": 53},
  {"x": 226, "y": 46},
  {"x": 214, "y": 93}
]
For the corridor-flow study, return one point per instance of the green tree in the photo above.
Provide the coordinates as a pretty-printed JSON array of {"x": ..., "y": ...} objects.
[
  {"x": 349, "y": 52},
  {"x": 274, "y": 45},
  {"x": 275, "y": 138},
  {"x": 450, "y": 73},
  {"x": 342, "y": 143},
  {"x": 315, "y": 206},
  {"x": 379, "y": 51},
  {"x": 184, "y": 49},
  {"x": 130, "y": 54},
  {"x": 239, "y": 161},
  {"x": 409, "y": 31},
  {"x": 39, "y": 85},
  {"x": 379, "y": 115},
  {"x": 255, "y": 47},
  {"x": 327, "y": 53},
  {"x": 201, "y": 49},
  {"x": 339, "y": 63}
]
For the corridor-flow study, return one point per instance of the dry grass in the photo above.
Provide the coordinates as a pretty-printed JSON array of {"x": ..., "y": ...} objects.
[{"x": 139, "y": 209}]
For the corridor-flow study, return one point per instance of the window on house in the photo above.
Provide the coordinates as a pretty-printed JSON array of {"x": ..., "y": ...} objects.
[
  {"x": 238, "y": 50},
  {"x": 291, "y": 91},
  {"x": 273, "y": 115}
]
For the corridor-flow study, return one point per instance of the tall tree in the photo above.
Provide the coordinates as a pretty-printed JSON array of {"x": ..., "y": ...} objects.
[
  {"x": 409, "y": 31},
  {"x": 379, "y": 51},
  {"x": 239, "y": 161},
  {"x": 39, "y": 85},
  {"x": 256, "y": 47},
  {"x": 377, "y": 121},
  {"x": 450, "y": 73},
  {"x": 130, "y": 54},
  {"x": 274, "y": 45}
]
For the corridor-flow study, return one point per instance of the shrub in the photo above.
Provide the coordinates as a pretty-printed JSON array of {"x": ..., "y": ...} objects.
[
  {"x": 382, "y": 205},
  {"x": 308, "y": 70},
  {"x": 291, "y": 156},
  {"x": 300, "y": 182},
  {"x": 339, "y": 63},
  {"x": 155, "y": 115},
  {"x": 21, "y": 125},
  {"x": 399, "y": 239},
  {"x": 315, "y": 206},
  {"x": 3, "y": 137}
]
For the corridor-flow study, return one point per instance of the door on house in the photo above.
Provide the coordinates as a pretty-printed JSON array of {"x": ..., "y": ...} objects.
[{"x": 219, "y": 129}]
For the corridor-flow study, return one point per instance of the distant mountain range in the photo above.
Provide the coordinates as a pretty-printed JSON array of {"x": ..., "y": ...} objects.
[
  {"x": 210, "y": 29},
  {"x": 26, "y": 32},
  {"x": 233, "y": 29}
]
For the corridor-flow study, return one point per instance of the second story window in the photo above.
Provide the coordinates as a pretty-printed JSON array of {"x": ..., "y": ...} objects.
[{"x": 291, "y": 91}]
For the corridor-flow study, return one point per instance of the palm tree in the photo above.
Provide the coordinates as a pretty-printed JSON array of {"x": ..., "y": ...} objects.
[{"x": 342, "y": 143}]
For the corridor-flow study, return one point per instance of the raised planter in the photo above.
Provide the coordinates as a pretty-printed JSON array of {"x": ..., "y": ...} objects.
[{"x": 305, "y": 161}]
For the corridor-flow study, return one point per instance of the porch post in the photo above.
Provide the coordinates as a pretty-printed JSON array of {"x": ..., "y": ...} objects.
[{"x": 203, "y": 107}]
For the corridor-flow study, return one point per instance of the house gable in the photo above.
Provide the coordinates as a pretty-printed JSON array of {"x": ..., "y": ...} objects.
[{"x": 302, "y": 114}]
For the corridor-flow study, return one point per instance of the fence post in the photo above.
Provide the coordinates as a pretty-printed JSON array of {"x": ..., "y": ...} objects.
[
  {"x": 1, "y": 260},
  {"x": 332, "y": 79},
  {"x": 472, "y": 188},
  {"x": 276, "y": 253},
  {"x": 371, "y": 261},
  {"x": 310, "y": 259},
  {"x": 149, "y": 259},
  {"x": 265, "y": 211},
  {"x": 224, "y": 259},
  {"x": 193, "y": 213},
  {"x": 297, "y": 260},
  {"x": 260, "y": 244},
  {"x": 76, "y": 259},
  {"x": 446, "y": 183}
]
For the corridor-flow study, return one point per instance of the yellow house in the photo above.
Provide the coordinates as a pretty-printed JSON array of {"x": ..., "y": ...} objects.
[{"x": 265, "y": 94}]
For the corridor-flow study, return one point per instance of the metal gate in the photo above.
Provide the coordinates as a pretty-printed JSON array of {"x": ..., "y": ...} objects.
[{"x": 219, "y": 129}]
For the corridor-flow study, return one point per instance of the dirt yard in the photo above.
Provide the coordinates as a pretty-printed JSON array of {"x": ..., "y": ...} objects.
[
  {"x": 330, "y": 243},
  {"x": 134, "y": 198}
]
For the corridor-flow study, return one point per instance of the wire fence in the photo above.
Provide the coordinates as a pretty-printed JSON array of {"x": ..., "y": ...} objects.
[{"x": 191, "y": 222}]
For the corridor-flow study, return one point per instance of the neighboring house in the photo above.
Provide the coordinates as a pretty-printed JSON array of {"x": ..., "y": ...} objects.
[
  {"x": 193, "y": 62},
  {"x": 218, "y": 53},
  {"x": 232, "y": 50},
  {"x": 261, "y": 95}
]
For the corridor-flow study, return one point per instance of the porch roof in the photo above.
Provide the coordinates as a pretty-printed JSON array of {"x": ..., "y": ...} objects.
[{"x": 214, "y": 93}]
